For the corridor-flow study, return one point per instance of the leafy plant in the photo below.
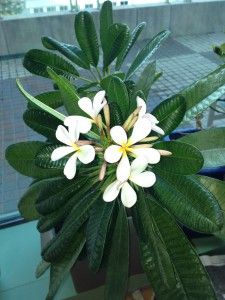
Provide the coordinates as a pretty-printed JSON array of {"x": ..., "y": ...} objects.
[{"x": 165, "y": 195}]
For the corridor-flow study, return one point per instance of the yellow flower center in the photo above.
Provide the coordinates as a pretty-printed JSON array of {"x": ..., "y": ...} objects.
[
  {"x": 75, "y": 147},
  {"x": 125, "y": 148}
]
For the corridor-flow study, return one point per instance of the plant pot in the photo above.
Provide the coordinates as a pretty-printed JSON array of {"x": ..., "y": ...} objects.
[{"x": 84, "y": 279}]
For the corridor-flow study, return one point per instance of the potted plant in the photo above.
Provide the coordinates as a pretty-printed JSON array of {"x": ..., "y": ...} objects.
[{"x": 105, "y": 162}]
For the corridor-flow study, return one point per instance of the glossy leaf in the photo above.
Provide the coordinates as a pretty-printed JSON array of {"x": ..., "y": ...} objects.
[
  {"x": 68, "y": 92},
  {"x": 26, "y": 204},
  {"x": 170, "y": 113},
  {"x": 211, "y": 143},
  {"x": 106, "y": 20},
  {"x": 217, "y": 188},
  {"x": 61, "y": 268},
  {"x": 185, "y": 159},
  {"x": 70, "y": 51},
  {"x": 78, "y": 215},
  {"x": 43, "y": 158},
  {"x": 146, "y": 53},
  {"x": 116, "y": 92},
  {"x": 57, "y": 194},
  {"x": 204, "y": 92},
  {"x": 116, "y": 118},
  {"x": 118, "y": 262},
  {"x": 36, "y": 61},
  {"x": 87, "y": 36},
  {"x": 42, "y": 122},
  {"x": 168, "y": 258},
  {"x": 134, "y": 36},
  {"x": 189, "y": 201},
  {"x": 39, "y": 104},
  {"x": 147, "y": 78},
  {"x": 21, "y": 157},
  {"x": 117, "y": 38},
  {"x": 97, "y": 228},
  {"x": 52, "y": 99}
]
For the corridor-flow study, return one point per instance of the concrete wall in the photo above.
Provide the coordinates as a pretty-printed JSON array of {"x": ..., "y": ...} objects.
[{"x": 22, "y": 34}]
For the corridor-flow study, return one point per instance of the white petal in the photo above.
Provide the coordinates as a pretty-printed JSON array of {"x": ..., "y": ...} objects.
[
  {"x": 62, "y": 135},
  {"x": 119, "y": 135},
  {"x": 141, "y": 129},
  {"x": 86, "y": 154},
  {"x": 112, "y": 191},
  {"x": 128, "y": 195},
  {"x": 99, "y": 102},
  {"x": 123, "y": 169},
  {"x": 145, "y": 179},
  {"x": 112, "y": 154},
  {"x": 71, "y": 166},
  {"x": 151, "y": 118},
  {"x": 141, "y": 102},
  {"x": 138, "y": 165},
  {"x": 83, "y": 124},
  {"x": 61, "y": 152},
  {"x": 87, "y": 106},
  {"x": 152, "y": 155},
  {"x": 158, "y": 129}
]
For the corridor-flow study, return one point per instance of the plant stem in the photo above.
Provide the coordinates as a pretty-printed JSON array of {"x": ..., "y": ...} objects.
[
  {"x": 93, "y": 74},
  {"x": 99, "y": 74}
]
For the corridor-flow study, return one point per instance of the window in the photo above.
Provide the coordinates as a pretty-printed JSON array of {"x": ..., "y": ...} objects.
[
  {"x": 38, "y": 10},
  {"x": 88, "y": 5},
  {"x": 51, "y": 8},
  {"x": 63, "y": 8},
  {"x": 123, "y": 2},
  {"x": 114, "y": 3}
]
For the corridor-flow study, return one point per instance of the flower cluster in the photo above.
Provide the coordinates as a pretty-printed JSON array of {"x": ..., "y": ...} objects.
[{"x": 132, "y": 154}]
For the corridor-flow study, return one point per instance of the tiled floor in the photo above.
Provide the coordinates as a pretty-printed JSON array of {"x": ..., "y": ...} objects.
[{"x": 182, "y": 60}]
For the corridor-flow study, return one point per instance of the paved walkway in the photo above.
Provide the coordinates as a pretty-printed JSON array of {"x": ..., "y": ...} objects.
[{"x": 182, "y": 60}]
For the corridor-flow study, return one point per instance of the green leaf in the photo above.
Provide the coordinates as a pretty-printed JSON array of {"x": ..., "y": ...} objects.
[
  {"x": 116, "y": 118},
  {"x": 87, "y": 36},
  {"x": 211, "y": 143},
  {"x": 43, "y": 158},
  {"x": 134, "y": 36},
  {"x": 97, "y": 228},
  {"x": 147, "y": 78},
  {"x": 26, "y": 204},
  {"x": 21, "y": 157},
  {"x": 52, "y": 99},
  {"x": 185, "y": 159},
  {"x": 189, "y": 201},
  {"x": 217, "y": 188},
  {"x": 41, "y": 268},
  {"x": 42, "y": 122},
  {"x": 36, "y": 61},
  {"x": 118, "y": 262},
  {"x": 62, "y": 267},
  {"x": 78, "y": 215},
  {"x": 39, "y": 104},
  {"x": 169, "y": 260},
  {"x": 68, "y": 92},
  {"x": 117, "y": 38},
  {"x": 146, "y": 53},
  {"x": 57, "y": 194},
  {"x": 106, "y": 20},
  {"x": 70, "y": 51},
  {"x": 204, "y": 92},
  {"x": 170, "y": 113},
  {"x": 116, "y": 92}
]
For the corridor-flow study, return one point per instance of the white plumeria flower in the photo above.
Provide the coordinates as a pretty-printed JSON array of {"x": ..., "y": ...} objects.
[
  {"x": 93, "y": 108},
  {"x": 126, "y": 146},
  {"x": 142, "y": 114},
  {"x": 85, "y": 153},
  {"x": 138, "y": 176}
]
